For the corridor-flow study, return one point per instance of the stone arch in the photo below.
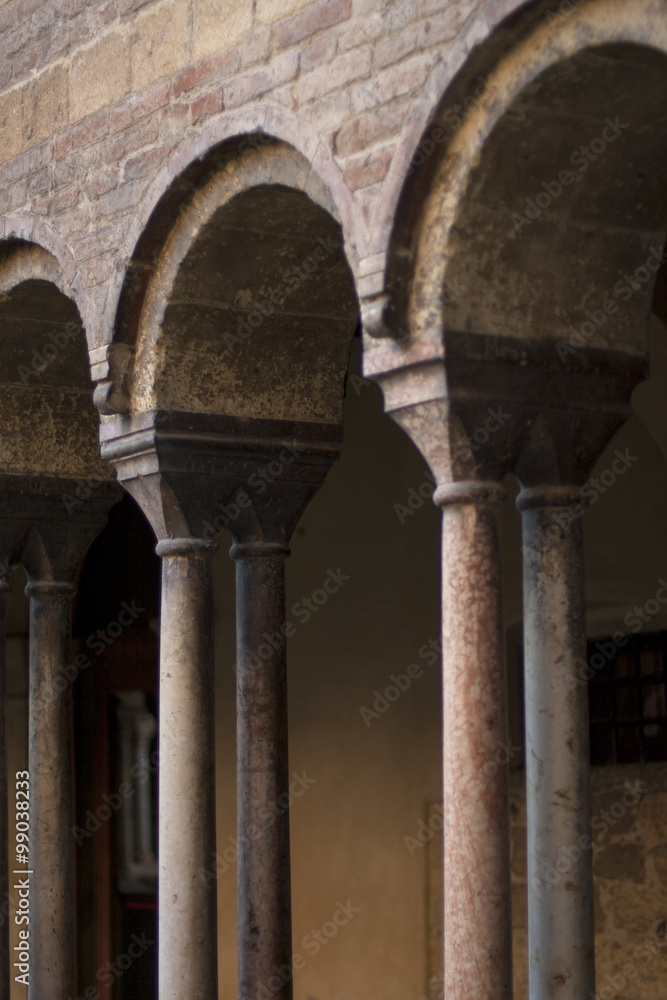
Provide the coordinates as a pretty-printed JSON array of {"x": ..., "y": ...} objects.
[
  {"x": 220, "y": 306},
  {"x": 49, "y": 422},
  {"x": 540, "y": 88},
  {"x": 228, "y": 129}
]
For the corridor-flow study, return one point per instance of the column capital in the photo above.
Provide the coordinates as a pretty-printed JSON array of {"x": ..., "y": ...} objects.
[
  {"x": 170, "y": 547},
  {"x": 259, "y": 550},
  {"x": 480, "y": 405},
  {"x": 470, "y": 492},
  {"x": 195, "y": 474},
  {"x": 47, "y": 523},
  {"x": 50, "y": 588},
  {"x": 549, "y": 495}
]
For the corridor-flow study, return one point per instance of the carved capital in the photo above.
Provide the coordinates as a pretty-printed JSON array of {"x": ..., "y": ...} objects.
[
  {"x": 480, "y": 406},
  {"x": 194, "y": 475}
]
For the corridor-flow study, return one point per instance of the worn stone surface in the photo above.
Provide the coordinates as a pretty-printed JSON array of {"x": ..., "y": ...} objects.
[{"x": 630, "y": 911}]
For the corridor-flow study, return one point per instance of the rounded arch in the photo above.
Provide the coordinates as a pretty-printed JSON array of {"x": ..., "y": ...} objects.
[
  {"x": 245, "y": 245},
  {"x": 39, "y": 236},
  {"x": 223, "y": 136},
  {"x": 49, "y": 422},
  {"x": 537, "y": 67}
]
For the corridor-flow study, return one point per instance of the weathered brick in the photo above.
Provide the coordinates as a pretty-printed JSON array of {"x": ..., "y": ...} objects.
[
  {"x": 207, "y": 105},
  {"x": 121, "y": 200},
  {"x": 63, "y": 202},
  {"x": 67, "y": 171},
  {"x": 10, "y": 123},
  {"x": 161, "y": 43},
  {"x": 79, "y": 136},
  {"x": 369, "y": 128},
  {"x": 250, "y": 85},
  {"x": 147, "y": 162},
  {"x": 320, "y": 50},
  {"x": 98, "y": 270},
  {"x": 45, "y": 105},
  {"x": 29, "y": 162},
  {"x": 369, "y": 168},
  {"x": 256, "y": 47},
  {"x": 390, "y": 49},
  {"x": 217, "y": 25},
  {"x": 103, "y": 238},
  {"x": 13, "y": 197},
  {"x": 100, "y": 74},
  {"x": 324, "y": 79},
  {"x": 30, "y": 59},
  {"x": 139, "y": 106},
  {"x": 45, "y": 20},
  {"x": 13, "y": 41},
  {"x": 39, "y": 183},
  {"x": 131, "y": 141},
  {"x": 327, "y": 115},
  {"x": 210, "y": 70},
  {"x": 319, "y": 15},
  {"x": 390, "y": 83},
  {"x": 270, "y": 11},
  {"x": 284, "y": 96},
  {"x": 70, "y": 8},
  {"x": 361, "y": 32},
  {"x": 175, "y": 119},
  {"x": 102, "y": 180},
  {"x": 128, "y": 7}
]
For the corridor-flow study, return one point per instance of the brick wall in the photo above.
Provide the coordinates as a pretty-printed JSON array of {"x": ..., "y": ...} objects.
[{"x": 96, "y": 96}]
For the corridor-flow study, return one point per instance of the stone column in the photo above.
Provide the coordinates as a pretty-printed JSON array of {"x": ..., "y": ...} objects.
[
  {"x": 5, "y": 961},
  {"x": 560, "y": 879},
  {"x": 478, "y": 920},
  {"x": 52, "y": 911},
  {"x": 264, "y": 905},
  {"x": 188, "y": 938},
  {"x": 193, "y": 474}
]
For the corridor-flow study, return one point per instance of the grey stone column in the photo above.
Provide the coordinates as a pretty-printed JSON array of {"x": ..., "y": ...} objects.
[
  {"x": 560, "y": 880},
  {"x": 264, "y": 903},
  {"x": 478, "y": 920},
  {"x": 52, "y": 949},
  {"x": 188, "y": 912},
  {"x": 5, "y": 962}
]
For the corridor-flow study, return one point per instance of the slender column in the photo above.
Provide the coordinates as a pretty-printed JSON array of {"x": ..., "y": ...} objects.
[
  {"x": 52, "y": 964},
  {"x": 560, "y": 880},
  {"x": 5, "y": 976},
  {"x": 478, "y": 942},
  {"x": 187, "y": 915},
  {"x": 264, "y": 901}
]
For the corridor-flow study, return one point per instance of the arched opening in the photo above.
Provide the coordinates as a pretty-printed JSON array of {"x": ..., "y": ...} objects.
[{"x": 524, "y": 262}]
